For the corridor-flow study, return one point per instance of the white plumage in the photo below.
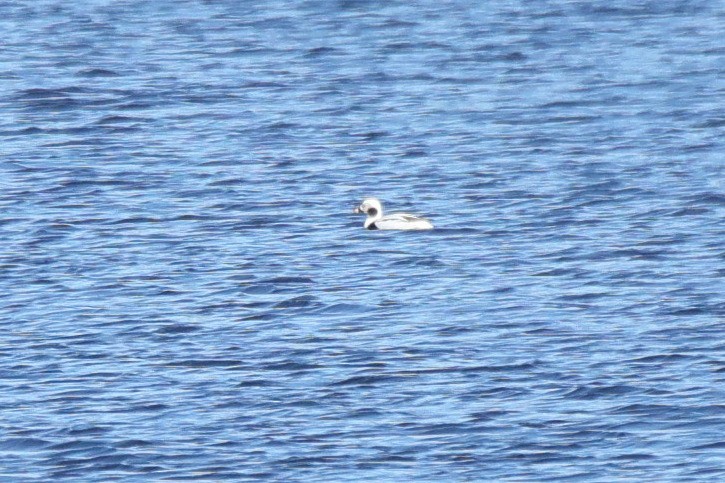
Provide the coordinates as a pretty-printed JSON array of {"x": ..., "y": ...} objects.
[{"x": 396, "y": 221}]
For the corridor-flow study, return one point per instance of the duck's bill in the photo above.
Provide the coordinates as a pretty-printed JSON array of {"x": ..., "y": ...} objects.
[{"x": 356, "y": 210}]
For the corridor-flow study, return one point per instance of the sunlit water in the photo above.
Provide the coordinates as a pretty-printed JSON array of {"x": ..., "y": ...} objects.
[{"x": 185, "y": 293}]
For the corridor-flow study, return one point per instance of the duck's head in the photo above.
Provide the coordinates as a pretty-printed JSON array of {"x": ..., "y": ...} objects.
[{"x": 370, "y": 206}]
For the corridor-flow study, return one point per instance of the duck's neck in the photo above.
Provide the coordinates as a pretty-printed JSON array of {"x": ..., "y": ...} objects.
[{"x": 372, "y": 219}]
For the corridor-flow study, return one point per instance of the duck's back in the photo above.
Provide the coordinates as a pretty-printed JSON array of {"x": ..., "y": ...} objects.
[{"x": 403, "y": 221}]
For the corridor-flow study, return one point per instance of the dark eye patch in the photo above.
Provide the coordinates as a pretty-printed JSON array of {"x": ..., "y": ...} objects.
[{"x": 372, "y": 212}]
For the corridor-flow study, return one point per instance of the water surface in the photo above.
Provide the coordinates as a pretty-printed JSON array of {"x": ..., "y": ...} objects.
[{"x": 185, "y": 294}]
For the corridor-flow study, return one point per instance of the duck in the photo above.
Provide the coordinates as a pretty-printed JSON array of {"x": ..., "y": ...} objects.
[{"x": 395, "y": 221}]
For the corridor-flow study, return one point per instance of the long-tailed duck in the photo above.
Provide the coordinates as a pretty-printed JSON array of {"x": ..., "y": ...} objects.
[{"x": 397, "y": 221}]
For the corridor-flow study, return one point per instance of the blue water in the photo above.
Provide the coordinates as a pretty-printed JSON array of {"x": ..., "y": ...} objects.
[{"x": 186, "y": 295}]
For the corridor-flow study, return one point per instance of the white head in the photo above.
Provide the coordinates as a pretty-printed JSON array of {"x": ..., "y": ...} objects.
[{"x": 371, "y": 207}]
